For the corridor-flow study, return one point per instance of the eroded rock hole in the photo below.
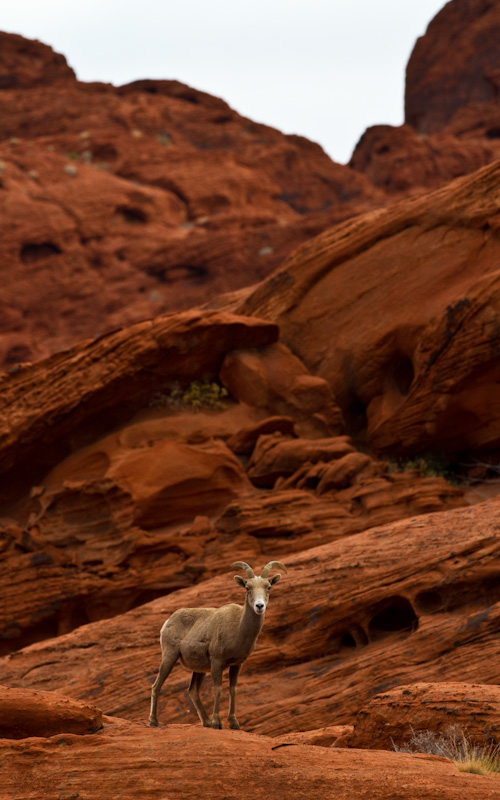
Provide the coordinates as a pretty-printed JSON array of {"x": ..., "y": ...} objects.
[
  {"x": 104, "y": 152},
  {"x": 355, "y": 416},
  {"x": 403, "y": 374},
  {"x": 353, "y": 637},
  {"x": 493, "y": 133},
  {"x": 31, "y": 252},
  {"x": 135, "y": 216},
  {"x": 395, "y": 615},
  {"x": 429, "y": 601}
]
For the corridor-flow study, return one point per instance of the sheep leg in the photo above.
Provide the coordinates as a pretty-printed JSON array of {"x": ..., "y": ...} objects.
[
  {"x": 216, "y": 670},
  {"x": 194, "y": 693},
  {"x": 166, "y": 666},
  {"x": 234, "y": 671}
]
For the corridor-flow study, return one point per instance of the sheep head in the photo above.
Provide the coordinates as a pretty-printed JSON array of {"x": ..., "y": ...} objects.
[{"x": 258, "y": 586}]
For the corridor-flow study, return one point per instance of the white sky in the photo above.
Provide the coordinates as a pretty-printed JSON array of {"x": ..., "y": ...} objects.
[{"x": 325, "y": 69}]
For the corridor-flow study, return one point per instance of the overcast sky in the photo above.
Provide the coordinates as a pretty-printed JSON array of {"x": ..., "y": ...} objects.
[{"x": 325, "y": 69}]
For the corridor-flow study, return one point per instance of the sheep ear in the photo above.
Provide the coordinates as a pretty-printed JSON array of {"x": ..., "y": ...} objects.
[
  {"x": 240, "y": 581},
  {"x": 275, "y": 579}
]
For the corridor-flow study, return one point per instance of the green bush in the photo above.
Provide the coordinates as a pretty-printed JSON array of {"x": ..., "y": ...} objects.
[
  {"x": 198, "y": 395},
  {"x": 430, "y": 464}
]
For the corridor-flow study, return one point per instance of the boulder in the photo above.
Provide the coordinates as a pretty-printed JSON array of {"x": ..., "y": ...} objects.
[
  {"x": 392, "y": 717},
  {"x": 397, "y": 312},
  {"x": 25, "y": 713}
]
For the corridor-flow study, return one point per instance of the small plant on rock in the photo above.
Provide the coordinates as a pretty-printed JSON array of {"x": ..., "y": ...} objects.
[
  {"x": 198, "y": 395},
  {"x": 456, "y": 745},
  {"x": 429, "y": 464},
  {"x": 206, "y": 394}
]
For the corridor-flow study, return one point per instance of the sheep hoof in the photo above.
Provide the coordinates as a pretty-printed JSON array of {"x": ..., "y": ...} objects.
[
  {"x": 216, "y": 723},
  {"x": 153, "y": 723},
  {"x": 234, "y": 724}
]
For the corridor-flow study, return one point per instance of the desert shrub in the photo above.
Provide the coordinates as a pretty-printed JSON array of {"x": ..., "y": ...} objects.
[
  {"x": 431, "y": 464},
  {"x": 456, "y": 745},
  {"x": 198, "y": 395}
]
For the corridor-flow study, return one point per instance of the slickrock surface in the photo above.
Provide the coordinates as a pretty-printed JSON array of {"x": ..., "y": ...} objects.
[
  {"x": 25, "y": 713},
  {"x": 114, "y": 494},
  {"x": 411, "y": 601},
  {"x": 138, "y": 464},
  {"x": 409, "y": 296},
  {"x": 391, "y": 717},
  {"x": 118, "y": 204},
  {"x": 325, "y": 737},
  {"x": 128, "y": 760}
]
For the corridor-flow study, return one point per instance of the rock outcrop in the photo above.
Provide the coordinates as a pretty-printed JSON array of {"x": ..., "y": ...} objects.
[
  {"x": 119, "y": 486},
  {"x": 142, "y": 199},
  {"x": 410, "y": 601},
  {"x": 452, "y": 108},
  {"x": 393, "y": 717},
  {"x": 397, "y": 311},
  {"x": 456, "y": 64},
  {"x": 137, "y": 465},
  {"x": 187, "y": 762},
  {"x": 25, "y": 713}
]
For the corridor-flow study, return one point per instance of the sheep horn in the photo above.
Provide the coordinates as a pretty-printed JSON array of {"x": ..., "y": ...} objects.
[
  {"x": 243, "y": 565},
  {"x": 270, "y": 565}
]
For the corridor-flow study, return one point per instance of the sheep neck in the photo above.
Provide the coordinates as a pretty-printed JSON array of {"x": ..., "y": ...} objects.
[{"x": 251, "y": 624}]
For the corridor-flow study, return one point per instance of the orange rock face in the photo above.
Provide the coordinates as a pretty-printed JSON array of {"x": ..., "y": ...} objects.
[
  {"x": 137, "y": 465},
  {"x": 145, "y": 198},
  {"x": 392, "y": 717},
  {"x": 189, "y": 762},
  {"x": 405, "y": 602},
  {"x": 117, "y": 491},
  {"x": 455, "y": 64},
  {"x": 452, "y": 113},
  {"x": 402, "y": 161},
  {"x": 409, "y": 297},
  {"x": 25, "y": 713}
]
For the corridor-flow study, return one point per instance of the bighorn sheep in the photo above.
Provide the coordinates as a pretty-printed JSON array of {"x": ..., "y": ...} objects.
[{"x": 212, "y": 639}]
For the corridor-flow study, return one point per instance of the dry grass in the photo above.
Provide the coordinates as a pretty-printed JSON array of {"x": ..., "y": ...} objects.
[{"x": 456, "y": 745}]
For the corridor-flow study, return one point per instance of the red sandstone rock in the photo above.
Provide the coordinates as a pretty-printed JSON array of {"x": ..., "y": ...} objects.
[
  {"x": 28, "y": 63},
  {"x": 146, "y": 198},
  {"x": 456, "y": 63},
  {"x": 393, "y": 716},
  {"x": 415, "y": 600},
  {"x": 25, "y": 713},
  {"x": 187, "y": 762},
  {"x": 402, "y": 161},
  {"x": 326, "y": 737},
  {"x": 277, "y": 456},
  {"x": 118, "y": 492},
  {"x": 276, "y": 378},
  {"x": 245, "y": 440},
  {"x": 408, "y": 298},
  {"x": 101, "y": 383},
  {"x": 452, "y": 110}
]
